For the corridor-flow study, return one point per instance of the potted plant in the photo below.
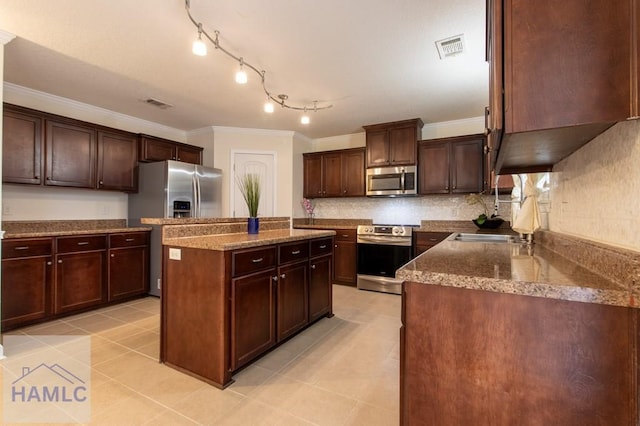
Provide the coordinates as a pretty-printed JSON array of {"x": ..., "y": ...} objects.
[
  {"x": 249, "y": 185},
  {"x": 483, "y": 220}
]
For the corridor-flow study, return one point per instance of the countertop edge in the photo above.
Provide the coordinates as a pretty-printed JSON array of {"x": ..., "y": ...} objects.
[{"x": 15, "y": 235}]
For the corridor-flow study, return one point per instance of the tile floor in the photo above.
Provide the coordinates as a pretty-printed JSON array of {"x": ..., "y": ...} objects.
[{"x": 340, "y": 371}]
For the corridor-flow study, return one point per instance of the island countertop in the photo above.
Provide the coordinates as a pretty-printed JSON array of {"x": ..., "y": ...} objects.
[
  {"x": 518, "y": 268},
  {"x": 242, "y": 240}
]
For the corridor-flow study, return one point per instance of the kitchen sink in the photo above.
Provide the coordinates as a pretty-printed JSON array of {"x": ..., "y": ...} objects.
[{"x": 486, "y": 238}]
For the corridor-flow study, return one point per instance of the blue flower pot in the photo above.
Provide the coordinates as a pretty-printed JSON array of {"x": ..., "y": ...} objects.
[{"x": 253, "y": 226}]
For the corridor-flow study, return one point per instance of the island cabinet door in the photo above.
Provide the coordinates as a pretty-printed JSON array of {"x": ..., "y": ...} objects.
[
  {"x": 319, "y": 287},
  {"x": 253, "y": 316},
  {"x": 293, "y": 297}
]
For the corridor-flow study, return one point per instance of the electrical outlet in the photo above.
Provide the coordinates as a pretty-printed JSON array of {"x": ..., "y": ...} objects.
[{"x": 158, "y": 283}]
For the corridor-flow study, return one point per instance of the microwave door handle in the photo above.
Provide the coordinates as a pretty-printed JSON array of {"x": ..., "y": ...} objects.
[{"x": 402, "y": 188}]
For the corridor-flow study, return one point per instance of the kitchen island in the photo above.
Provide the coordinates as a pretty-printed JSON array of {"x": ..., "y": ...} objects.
[
  {"x": 509, "y": 333},
  {"x": 229, "y": 298}
]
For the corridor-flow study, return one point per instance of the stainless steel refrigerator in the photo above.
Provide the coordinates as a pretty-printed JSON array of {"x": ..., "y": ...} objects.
[{"x": 173, "y": 189}]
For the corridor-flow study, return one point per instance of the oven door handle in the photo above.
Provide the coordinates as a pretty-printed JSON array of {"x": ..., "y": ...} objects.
[{"x": 384, "y": 241}]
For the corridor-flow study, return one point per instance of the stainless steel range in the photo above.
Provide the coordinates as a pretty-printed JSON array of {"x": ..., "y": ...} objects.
[{"x": 382, "y": 249}]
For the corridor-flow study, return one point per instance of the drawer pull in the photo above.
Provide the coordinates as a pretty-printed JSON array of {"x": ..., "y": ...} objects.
[
  {"x": 130, "y": 239},
  {"x": 283, "y": 276},
  {"x": 22, "y": 248},
  {"x": 324, "y": 246},
  {"x": 295, "y": 252},
  {"x": 258, "y": 260},
  {"x": 83, "y": 243},
  {"x": 345, "y": 235},
  {"x": 313, "y": 266}
]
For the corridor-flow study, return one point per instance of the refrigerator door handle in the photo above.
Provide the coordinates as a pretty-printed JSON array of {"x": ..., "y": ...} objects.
[{"x": 196, "y": 196}]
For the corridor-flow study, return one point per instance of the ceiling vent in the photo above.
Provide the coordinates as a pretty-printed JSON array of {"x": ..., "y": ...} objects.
[
  {"x": 450, "y": 46},
  {"x": 157, "y": 103}
]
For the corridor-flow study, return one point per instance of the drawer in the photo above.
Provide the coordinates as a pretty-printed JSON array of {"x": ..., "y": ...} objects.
[
  {"x": 128, "y": 239},
  {"x": 430, "y": 238},
  {"x": 321, "y": 246},
  {"x": 26, "y": 247},
  {"x": 292, "y": 252},
  {"x": 252, "y": 260},
  {"x": 346, "y": 235},
  {"x": 81, "y": 243}
]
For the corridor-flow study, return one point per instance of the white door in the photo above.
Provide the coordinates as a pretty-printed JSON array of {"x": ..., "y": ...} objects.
[{"x": 260, "y": 163}]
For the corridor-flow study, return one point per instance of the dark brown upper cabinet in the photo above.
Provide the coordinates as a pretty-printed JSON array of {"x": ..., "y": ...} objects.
[
  {"x": 451, "y": 165},
  {"x": 393, "y": 144},
  {"x": 22, "y": 147},
  {"x": 337, "y": 173},
  {"x": 117, "y": 161},
  {"x": 158, "y": 149},
  {"x": 561, "y": 73},
  {"x": 70, "y": 154}
]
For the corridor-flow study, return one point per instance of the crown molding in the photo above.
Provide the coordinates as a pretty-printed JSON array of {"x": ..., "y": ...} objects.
[
  {"x": 251, "y": 131},
  {"x": 33, "y": 97},
  {"x": 6, "y": 37}
]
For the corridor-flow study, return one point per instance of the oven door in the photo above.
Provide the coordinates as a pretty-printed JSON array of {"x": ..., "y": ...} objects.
[{"x": 377, "y": 264}]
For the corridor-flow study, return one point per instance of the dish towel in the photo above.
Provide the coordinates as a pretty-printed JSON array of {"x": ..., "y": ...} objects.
[{"x": 528, "y": 219}]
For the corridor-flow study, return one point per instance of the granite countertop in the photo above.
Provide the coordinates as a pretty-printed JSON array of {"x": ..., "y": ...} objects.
[
  {"x": 518, "y": 268},
  {"x": 204, "y": 220},
  {"x": 242, "y": 240},
  {"x": 55, "y": 228}
]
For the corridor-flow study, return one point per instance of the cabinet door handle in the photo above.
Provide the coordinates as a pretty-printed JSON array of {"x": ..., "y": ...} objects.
[
  {"x": 36, "y": 177},
  {"x": 129, "y": 239},
  {"x": 283, "y": 276},
  {"x": 313, "y": 266},
  {"x": 295, "y": 252},
  {"x": 83, "y": 243},
  {"x": 324, "y": 246},
  {"x": 49, "y": 263},
  {"x": 22, "y": 248},
  {"x": 274, "y": 278},
  {"x": 258, "y": 260},
  {"x": 113, "y": 255},
  {"x": 60, "y": 261},
  {"x": 101, "y": 183}
]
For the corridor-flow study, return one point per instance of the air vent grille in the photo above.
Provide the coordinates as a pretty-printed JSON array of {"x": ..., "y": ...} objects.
[
  {"x": 450, "y": 46},
  {"x": 157, "y": 103}
]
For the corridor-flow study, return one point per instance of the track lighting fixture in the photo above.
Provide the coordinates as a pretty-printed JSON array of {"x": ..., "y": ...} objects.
[
  {"x": 241, "y": 75},
  {"x": 199, "y": 48}
]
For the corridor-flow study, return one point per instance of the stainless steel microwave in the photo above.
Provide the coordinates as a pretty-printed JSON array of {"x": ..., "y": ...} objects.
[{"x": 391, "y": 181}]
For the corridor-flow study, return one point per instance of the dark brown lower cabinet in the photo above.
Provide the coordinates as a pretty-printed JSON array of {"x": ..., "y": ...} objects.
[
  {"x": 344, "y": 268},
  {"x": 128, "y": 265},
  {"x": 223, "y": 309},
  {"x": 471, "y": 357},
  {"x": 27, "y": 277},
  {"x": 293, "y": 298},
  {"x": 79, "y": 280},
  {"x": 320, "y": 292},
  {"x": 253, "y": 316},
  {"x": 45, "y": 278}
]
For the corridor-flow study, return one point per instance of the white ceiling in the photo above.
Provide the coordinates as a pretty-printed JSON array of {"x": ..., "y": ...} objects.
[{"x": 374, "y": 60}]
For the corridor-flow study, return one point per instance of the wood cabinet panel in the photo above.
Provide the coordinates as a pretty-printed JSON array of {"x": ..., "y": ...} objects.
[
  {"x": 26, "y": 290},
  {"x": 253, "y": 316},
  {"x": 117, "y": 161},
  {"x": 321, "y": 246},
  {"x": 339, "y": 173},
  {"x": 128, "y": 272},
  {"x": 22, "y": 147},
  {"x": 26, "y": 247},
  {"x": 393, "y": 144},
  {"x": 253, "y": 260},
  {"x": 562, "y": 362},
  {"x": 158, "y": 149},
  {"x": 451, "y": 165},
  {"x": 81, "y": 243},
  {"x": 189, "y": 154},
  {"x": 320, "y": 291},
  {"x": 345, "y": 254},
  {"x": 292, "y": 299},
  {"x": 80, "y": 280},
  {"x": 293, "y": 252},
  {"x": 70, "y": 155},
  {"x": 433, "y": 176},
  {"x": 423, "y": 241}
]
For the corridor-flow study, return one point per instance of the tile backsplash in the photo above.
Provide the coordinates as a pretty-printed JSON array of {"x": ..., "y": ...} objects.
[
  {"x": 405, "y": 210},
  {"x": 595, "y": 192}
]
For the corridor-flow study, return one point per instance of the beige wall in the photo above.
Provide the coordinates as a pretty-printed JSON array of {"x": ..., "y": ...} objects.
[{"x": 595, "y": 191}]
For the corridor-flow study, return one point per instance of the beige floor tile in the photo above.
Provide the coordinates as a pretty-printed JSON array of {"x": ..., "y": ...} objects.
[
  {"x": 276, "y": 359},
  {"x": 208, "y": 405},
  {"x": 372, "y": 415},
  {"x": 127, "y": 314},
  {"x": 170, "y": 418},
  {"x": 152, "y": 350},
  {"x": 248, "y": 380},
  {"x": 139, "y": 340},
  {"x": 251, "y": 412},
  {"x": 106, "y": 395},
  {"x": 95, "y": 323},
  {"x": 277, "y": 390},
  {"x": 103, "y": 350},
  {"x": 135, "y": 410},
  {"x": 122, "y": 331},
  {"x": 319, "y": 406}
]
